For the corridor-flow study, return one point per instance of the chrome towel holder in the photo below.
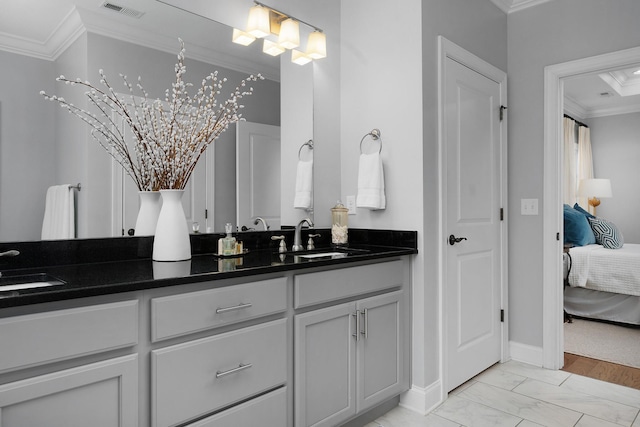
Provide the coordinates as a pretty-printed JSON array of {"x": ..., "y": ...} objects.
[
  {"x": 309, "y": 144},
  {"x": 375, "y": 135}
]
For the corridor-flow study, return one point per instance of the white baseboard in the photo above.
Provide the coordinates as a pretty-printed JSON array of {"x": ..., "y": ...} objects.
[
  {"x": 526, "y": 353},
  {"x": 422, "y": 400}
]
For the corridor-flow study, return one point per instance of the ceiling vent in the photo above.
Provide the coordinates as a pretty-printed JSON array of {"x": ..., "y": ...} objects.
[{"x": 122, "y": 10}]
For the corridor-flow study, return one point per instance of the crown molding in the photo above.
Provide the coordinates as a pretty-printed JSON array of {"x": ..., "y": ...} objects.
[
  {"x": 79, "y": 21},
  {"x": 575, "y": 110},
  {"x": 509, "y": 6}
]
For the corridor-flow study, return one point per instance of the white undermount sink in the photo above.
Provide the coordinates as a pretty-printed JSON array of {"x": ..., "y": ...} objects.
[{"x": 29, "y": 281}]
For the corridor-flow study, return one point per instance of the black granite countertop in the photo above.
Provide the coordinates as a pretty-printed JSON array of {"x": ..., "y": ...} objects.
[{"x": 93, "y": 267}]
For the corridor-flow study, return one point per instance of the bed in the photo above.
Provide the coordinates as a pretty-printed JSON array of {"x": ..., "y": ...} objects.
[
  {"x": 602, "y": 273},
  {"x": 603, "y": 283}
]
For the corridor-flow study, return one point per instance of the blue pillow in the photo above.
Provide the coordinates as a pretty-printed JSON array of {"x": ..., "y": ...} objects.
[
  {"x": 577, "y": 230},
  {"x": 607, "y": 234},
  {"x": 582, "y": 211}
]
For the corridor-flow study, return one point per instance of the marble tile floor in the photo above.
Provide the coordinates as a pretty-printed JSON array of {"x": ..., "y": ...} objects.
[{"x": 517, "y": 394}]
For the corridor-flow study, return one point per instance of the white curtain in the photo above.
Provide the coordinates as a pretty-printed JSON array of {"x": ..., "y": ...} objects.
[
  {"x": 585, "y": 160},
  {"x": 570, "y": 182}
]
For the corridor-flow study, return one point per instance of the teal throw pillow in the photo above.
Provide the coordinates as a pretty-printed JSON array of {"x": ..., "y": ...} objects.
[{"x": 577, "y": 231}]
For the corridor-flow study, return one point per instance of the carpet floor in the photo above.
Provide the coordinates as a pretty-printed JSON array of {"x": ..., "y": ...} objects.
[{"x": 603, "y": 341}]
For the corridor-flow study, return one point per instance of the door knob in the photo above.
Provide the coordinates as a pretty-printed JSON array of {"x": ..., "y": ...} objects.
[{"x": 453, "y": 239}]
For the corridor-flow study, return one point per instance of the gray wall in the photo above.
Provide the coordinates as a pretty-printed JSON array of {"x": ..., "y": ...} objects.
[
  {"x": 615, "y": 143},
  {"x": 550, "y": 33}
]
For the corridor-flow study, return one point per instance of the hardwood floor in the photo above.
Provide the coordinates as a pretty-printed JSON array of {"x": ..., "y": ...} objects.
[{"x": 601, "y": 370}]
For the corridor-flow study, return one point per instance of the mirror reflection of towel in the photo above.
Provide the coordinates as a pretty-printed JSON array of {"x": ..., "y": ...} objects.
[
  {"x": 59, "y": 213},
  {"x": 304, "y": 185},
  {"x": 371, "y": 182}
]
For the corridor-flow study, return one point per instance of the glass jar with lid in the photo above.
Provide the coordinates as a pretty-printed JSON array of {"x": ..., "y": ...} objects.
[{"x": 339, "y": 227}]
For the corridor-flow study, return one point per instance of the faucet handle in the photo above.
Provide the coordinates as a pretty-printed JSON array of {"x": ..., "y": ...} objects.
[
  {"x": 310, "y": 244},
  {"x": 11, "y": 252},
  {"x": 283, "y": 245}
]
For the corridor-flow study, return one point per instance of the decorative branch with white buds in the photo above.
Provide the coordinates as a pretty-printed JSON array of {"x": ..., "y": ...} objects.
[{"x": 170, "y": 135}]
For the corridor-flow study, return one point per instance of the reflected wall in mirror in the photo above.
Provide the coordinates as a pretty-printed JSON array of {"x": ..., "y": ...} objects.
[{"x": 41, "y": 145}]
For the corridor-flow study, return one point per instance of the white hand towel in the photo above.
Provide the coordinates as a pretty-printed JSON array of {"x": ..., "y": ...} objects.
[
  {"x": 304, "y": 185},
  {"x": 370, "y": 182},
  {"x": 59, "y": 213}
]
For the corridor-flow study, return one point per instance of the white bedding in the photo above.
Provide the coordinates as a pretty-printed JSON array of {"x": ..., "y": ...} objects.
[{"x": 610, "y": 270}]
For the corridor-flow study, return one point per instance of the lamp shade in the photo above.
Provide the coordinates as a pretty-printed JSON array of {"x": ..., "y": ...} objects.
[
  {"x": 258, "y": 24},
  {"x": 289, "y": 34},
  {"x": 271, "y": 48},
  {"x": 299, "y": 58},
  {"x": 595, "y": 188},
  {"x": 317, "y": 45},
  {"x": 242, "y": 37}
]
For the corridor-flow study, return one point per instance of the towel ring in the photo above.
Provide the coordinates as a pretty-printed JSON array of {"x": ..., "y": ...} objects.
[
  {"x": 375, "y": 135},
  {"x": 309, "y": 144}
]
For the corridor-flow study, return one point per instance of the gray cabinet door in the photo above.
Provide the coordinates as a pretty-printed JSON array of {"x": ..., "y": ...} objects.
[
  {"x": 381, "y": 360},
  {"x": 103, "y": 394},
  {"x": 325, "y": 371}
]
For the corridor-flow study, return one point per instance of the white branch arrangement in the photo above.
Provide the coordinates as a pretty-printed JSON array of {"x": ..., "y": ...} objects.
[{"x": 170, "y": 136}]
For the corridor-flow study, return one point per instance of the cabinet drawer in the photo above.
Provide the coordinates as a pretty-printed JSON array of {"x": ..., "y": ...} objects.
[
  {"x": 267, "y": 410},
  {"x": 324, "y": 286},
  {"x": 64, "y": 334},
  {"x": 177, "y": 315},
  {"x": 194, "y": 378}
]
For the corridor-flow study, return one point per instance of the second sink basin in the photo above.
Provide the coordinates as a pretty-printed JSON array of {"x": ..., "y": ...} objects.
[{"x": 28, "y": 281}]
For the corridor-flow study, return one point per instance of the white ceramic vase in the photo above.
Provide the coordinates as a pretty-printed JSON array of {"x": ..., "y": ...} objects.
[
  {"x": 150, "y": 204},
  {"x": 171, "y": 241}
]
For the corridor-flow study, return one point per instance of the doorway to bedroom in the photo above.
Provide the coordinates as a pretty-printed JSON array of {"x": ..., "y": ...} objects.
[{"x": 586, "y": 337}]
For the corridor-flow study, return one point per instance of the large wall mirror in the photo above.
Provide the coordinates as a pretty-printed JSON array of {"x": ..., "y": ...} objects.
[{"x": 41, "y": 145}]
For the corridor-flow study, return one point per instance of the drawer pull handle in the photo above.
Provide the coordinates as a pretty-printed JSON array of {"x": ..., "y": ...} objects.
[
  {"x": 240, "y": 367},
  {"x": 235, "y": 307},
  {"x": 356, "y": 335}
]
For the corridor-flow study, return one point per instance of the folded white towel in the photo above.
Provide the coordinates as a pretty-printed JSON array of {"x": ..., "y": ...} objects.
[
  {"x": 370, "y": 182},
  {"x": 304, "y": 185},
  {"x": 59, "y": 213}
]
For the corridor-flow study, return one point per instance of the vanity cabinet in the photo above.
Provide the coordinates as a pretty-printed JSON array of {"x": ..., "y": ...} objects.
[
  {"x": 197, "y": 377},
  {"x": 350, "y": 356},
  {"x": 100, "y": 393}
]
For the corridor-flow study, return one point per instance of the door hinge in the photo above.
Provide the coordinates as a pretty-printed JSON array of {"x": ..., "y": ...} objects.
[
  {"x": 206, "y": 214},
  {"x": 501, "y": 214},
  {"x": 502, "y": 108},
  {"x": 502, "y": 315},
  {"x": 558, "y": 236}
]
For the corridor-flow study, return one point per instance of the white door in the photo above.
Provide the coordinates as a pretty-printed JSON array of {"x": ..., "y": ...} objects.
[
  {"x": 473, "y": 194},
  {"x": 257, "y": 174}
]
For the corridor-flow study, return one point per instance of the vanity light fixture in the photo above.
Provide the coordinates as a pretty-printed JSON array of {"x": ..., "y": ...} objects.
[{"x": 264, "y": 21}]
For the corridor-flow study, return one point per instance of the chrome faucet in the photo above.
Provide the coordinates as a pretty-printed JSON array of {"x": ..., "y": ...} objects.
[
  {"x": 259, "y": 219},
  {"x": 297, "y": 239}
]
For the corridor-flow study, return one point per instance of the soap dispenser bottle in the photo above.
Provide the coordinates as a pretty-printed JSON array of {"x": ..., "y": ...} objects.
[{"x": 228, "y": 242}]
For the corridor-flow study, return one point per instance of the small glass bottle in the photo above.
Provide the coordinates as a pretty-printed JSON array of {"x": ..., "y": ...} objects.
[
  {"x": 229, "y": 242},
  {"x": 339, "y": 228}
]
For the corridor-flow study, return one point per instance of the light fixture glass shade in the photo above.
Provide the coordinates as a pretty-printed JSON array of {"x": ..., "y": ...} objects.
[
  {"x": 289, "y": 34},
  {"x": 242, "y": 37},
  {"x": 258, "y": 24},
  {"x": 271, "y": 48},
  {"x": 595, "y": 188},
  {"x": 317, "y": 45},
  {"x": 300, "y": 58}
]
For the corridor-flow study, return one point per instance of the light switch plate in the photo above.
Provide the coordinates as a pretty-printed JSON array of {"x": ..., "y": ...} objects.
[
  {"x": 529, "y": 206},
  {"x": 351, "y": 205}
]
